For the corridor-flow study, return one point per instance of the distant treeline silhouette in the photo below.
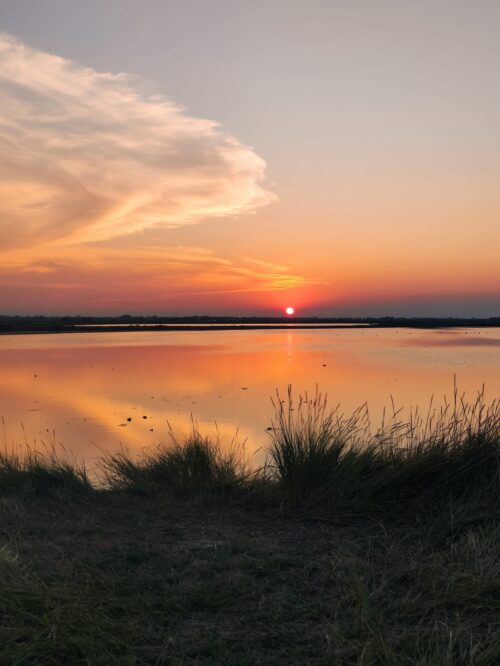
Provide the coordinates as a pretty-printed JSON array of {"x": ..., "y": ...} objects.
[{"x": 57, "y": 324}]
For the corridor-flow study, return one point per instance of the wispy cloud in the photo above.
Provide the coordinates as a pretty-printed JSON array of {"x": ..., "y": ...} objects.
[
  {"x": 178, "y": 269},
  {"x": 148, "y": 277},
  {"x": 89, "y": 156}
]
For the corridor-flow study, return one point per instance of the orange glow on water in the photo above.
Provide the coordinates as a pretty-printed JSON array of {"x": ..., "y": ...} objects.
[{"x": 86, "y": 386}]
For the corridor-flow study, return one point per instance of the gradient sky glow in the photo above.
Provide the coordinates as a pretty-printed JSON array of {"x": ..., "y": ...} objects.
[{"x": 213, "y": 157}]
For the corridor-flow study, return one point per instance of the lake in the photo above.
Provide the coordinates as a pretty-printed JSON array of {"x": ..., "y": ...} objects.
[{"x": 90, "y": 391}]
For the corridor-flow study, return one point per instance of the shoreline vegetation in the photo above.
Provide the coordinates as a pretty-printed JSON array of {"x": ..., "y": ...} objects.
[
  {"x": 348, "y": 546},
  {"x": 12, "y": 324}
]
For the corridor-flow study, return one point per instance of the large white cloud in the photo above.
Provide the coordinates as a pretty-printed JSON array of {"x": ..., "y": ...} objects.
[{"x": 88, "y": 156}]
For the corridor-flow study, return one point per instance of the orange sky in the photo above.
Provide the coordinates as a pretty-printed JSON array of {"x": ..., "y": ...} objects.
[{"x": 363, "y": 181}]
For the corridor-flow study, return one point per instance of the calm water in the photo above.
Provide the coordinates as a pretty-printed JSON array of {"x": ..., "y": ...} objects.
[{"x": 84, "y": 386}]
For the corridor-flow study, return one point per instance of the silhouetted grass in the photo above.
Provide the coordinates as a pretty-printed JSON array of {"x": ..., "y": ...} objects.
[
  {"x": 196, "y": 466},
  {"x": 41, "y": 473},
  {"x": 328, "y": 463},
  {"x": 351, "y": 546},
  {"x": 320, "y": 463}
]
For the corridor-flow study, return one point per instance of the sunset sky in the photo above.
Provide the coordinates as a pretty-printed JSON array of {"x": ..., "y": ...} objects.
[{"x": 238, "y": 157}]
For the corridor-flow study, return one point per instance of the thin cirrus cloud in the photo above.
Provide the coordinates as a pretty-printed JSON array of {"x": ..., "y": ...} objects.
[
  {"x": 142, "y": 279},
  {"x": 181, "y": 268},
  {"x": 88, "y": 156}
]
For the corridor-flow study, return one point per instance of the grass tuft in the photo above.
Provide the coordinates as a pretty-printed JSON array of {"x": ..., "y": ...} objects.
[
  {"x": 325, "y": 462},
  {"x": 41, "y": 473},
  {"x": 196, "y": 466}
]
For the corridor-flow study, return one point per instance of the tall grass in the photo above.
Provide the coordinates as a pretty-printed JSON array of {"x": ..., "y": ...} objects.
[
  {"x": 326, "y": 461},
  {"x": 314, "y": 449},
  {"x": 320, "y": 462},
  {"x": 198, "y": 465},
  {"x": 29, "y": 470}
]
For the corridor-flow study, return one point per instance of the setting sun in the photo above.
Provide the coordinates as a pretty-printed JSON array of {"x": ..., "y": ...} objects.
[{"x": 290, "y": 311}]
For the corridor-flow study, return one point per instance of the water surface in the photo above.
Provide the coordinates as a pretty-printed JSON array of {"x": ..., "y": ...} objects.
[{"x": 90, "y": 391}]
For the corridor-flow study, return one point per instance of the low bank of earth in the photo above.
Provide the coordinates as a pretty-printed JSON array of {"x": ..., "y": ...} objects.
[{"x": 116, "y": 578}]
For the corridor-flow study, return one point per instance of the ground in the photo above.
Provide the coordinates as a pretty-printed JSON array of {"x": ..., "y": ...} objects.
[{"x": 119, "y": 578}]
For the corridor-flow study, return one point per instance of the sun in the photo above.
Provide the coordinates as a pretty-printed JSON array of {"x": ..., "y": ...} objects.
[{"x": 290, "y": 311}]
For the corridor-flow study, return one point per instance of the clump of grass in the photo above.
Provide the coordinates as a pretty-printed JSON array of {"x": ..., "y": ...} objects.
[
  {"x": 451, "y": 452},
  {"x": 325, "y": 461},
  {"x": 315, "y": 451},
  {"x": 198, "y": 465},
  {"x": 41, "y": 472}
]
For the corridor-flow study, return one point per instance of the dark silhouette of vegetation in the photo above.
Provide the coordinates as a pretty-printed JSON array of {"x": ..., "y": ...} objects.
[
  {"x": 69, "y": 324},
  {"x": 349, "y": 546}
]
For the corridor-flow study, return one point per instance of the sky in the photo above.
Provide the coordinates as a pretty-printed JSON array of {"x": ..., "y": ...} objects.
[{"x": 220, "y": 157}]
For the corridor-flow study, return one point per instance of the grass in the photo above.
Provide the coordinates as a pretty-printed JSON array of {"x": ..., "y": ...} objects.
[
  {"x": 350, "y": 546},
  {"x": 41, "y": 473},
  {"x": 196, "y": 466},
  {"x": 335, "y": 465}
]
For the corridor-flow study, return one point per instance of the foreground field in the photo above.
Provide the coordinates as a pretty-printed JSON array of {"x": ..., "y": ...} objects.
[{"x": 339, "y": 552}]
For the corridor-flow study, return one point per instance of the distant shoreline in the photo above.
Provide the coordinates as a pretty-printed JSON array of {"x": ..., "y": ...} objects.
[
  {"x": 12, "y": 325},
  {"x": 194, "y": 327}
]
